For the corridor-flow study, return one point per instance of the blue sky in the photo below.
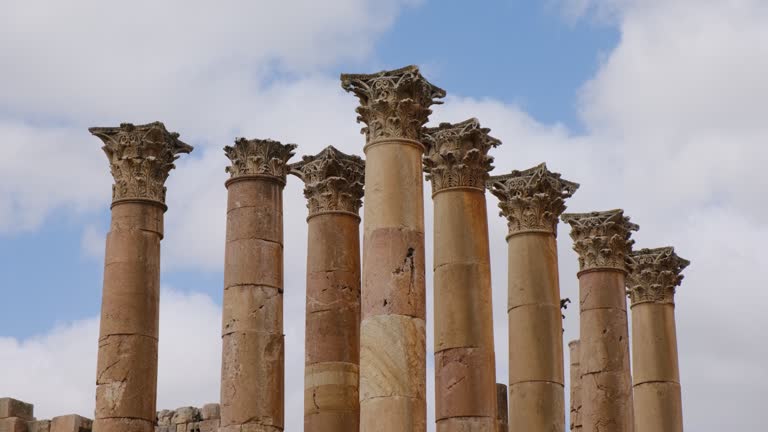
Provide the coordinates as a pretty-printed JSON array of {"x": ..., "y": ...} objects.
[
  {"x": 654, "y": 106},
  {"x": 517, "y": 52}
]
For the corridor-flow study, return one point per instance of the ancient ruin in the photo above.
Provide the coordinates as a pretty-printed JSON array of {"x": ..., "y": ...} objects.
[
  {"x": 602, "y": 241},
  {"x": 365, "y": 365},
  {"x": 653, "y": 276},
  {"x": 334, "y": 191},
  {"x": 532, "y": 200},
  {"x": 457, "y": 163}
]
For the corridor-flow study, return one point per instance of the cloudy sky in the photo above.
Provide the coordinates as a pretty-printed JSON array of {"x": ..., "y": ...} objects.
[{"x": 655, "y": 106}]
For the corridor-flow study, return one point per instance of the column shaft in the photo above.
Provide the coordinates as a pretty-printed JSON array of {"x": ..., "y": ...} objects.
[
  {"x": 532, "y": 200},
  {"x": 393, "y": 332},
  {"x": 465, "y": 377},
  {"x": 604, "y": 345},
  {"x": 394, "y": 105},
  {"x": 141, "y": 158},
  {"x": 575, "y": 386},
  {"x": 536, "y": 389},
  {"x": 252, "y": 369},
  {"x": 331, "y": 399},
  {"x": 653, "y": 277},
  {"x": 126, "y": 384},
  {"x": 333, "y": 186},
  {"x": 602, "y": 240},
  {"x": 502, "y": 413},
  {"x": 656, "y": 378}
]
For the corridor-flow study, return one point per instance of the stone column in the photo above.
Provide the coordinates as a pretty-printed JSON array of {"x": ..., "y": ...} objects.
[
  {"x": 252, "y": 362},
  {"x": 140, "y": 157},
  {"x": 334, "y": 189},
  {"x": 394, "y": 105},
  {"x": 457, "y": 163},
  {"x": 502, "y": 415},
  {"x": 575, "y": 386},
  {"x": 532, "y": 200},
  {"x": 653, "y": 276},
  {"x": 602, "y": 241}
]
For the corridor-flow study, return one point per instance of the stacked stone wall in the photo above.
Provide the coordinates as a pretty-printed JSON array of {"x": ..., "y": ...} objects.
[
  {"x": 18, "y": 416},
  {"x": 189, "y": 419}
]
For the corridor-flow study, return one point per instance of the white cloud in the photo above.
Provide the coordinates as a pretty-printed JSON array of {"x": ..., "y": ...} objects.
[
  {"x": 89, "y": 59},
  {"x": 56, "y": 371}
]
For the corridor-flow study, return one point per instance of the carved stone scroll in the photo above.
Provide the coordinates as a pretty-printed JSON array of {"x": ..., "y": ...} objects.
[
  {"x": 333, "y": 181},
  {"x": 393, "y": 104},
  {"x": 602, "y": 239},
  {"x": 259, "y": 158},
  {"x": 457, "y": 155},
  {"x": 532, "y": 200},
  {"x": 654, "y": 275},
  {"x": 140, "y": 158}
]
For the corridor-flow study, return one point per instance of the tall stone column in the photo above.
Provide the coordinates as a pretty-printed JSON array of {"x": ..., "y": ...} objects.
[
  {"x": 457, "y": 163},
  {"x": 252, "y": 361},
  {"x": 653, "y": 276},
  {"x": 575, "y": 386},
  {"x": 602, "y": 241},
  {"x": 141, "y": 158},
  {"x": 502, "y": 413},
  {"x": 394, "y": 105},
  {"x": 532, "y": 200},
  {"x": 334, "y": 189}
]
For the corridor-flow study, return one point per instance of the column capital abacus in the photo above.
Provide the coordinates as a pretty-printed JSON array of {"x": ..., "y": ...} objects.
[
  {"x": 393, "y": 104},
  {"x": 333, "y": 181},
  {"x": 602, "y": 239},
  {"x": 654, "y": 275},
  {"x": 141, "y": 158},
  {"x": 259, "y": 158},
  {"x": 457, "y": 155},
  {"x": 532, "y": 200}
]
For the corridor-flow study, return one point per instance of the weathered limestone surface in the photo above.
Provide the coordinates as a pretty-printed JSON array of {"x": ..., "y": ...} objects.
[
  {"x": 575, "y": 386},
  {"x": 189, "y": 419},
  {"x": 602, "y": 241},
  {"x": 502, "y": 413},
  {"x": 653, "y": 277},
  {"x": 17, "y": 416},
  {"x": 532, "y": 200},
  {"x": 252, "y": 370},
  {"x": 140, "y": 158},
  {"x": 10, "y": 407},
  {"x": 13, "y": 424},
  {"x": 71, "y": 423},
  {"x": 334, "y": 189},
  {"x": 457, "y": 164},
  {"x": 394, "y": 105}
]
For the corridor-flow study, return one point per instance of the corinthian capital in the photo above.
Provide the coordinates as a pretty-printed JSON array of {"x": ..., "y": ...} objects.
[
  {"x": 259, "y": 158},
  {"x": 532, "y": 200},
  {"x": 457, "y": 155},
  {"x": 654, "y": 274},
  {"x": 393, "y": 104},
  {"x": 602, "y": 239},
  {"x": 333, "y": 181},
  {"x": 140, "y": 158}
]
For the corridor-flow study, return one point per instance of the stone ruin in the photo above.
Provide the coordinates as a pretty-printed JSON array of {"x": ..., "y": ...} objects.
[
  {"x": 16, "y": 416},
  {"x": 365, "y": 364}
]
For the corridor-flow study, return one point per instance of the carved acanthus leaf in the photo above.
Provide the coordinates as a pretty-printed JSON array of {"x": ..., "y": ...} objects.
[
  {"x": 654, "y": 275},
  {"x": 333, "y": 181},
  {"x": 393, "y": 104},
  {"x": 602, "y": 239},
  {"x": 457, "y": 155},
  {"x": 140, "y": 158},
  {"x": 532, "y": 200},
  {"x": 259, "y": 157}
]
